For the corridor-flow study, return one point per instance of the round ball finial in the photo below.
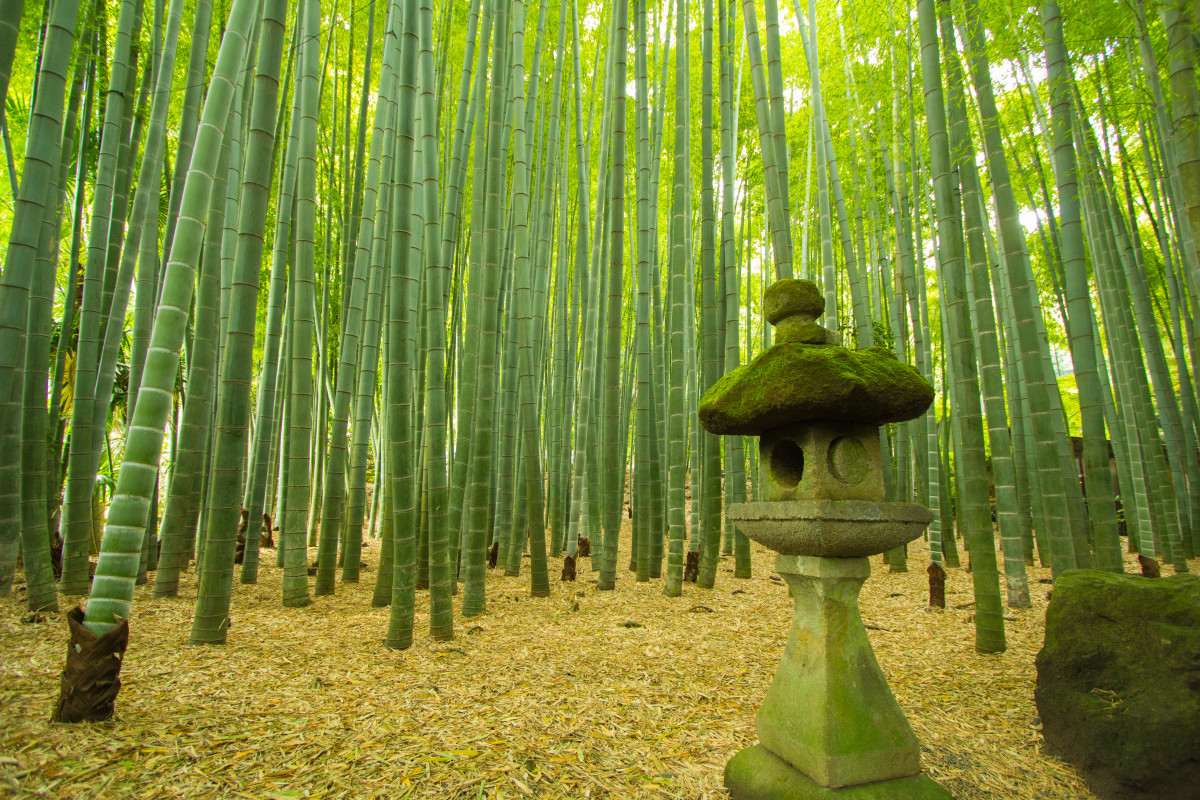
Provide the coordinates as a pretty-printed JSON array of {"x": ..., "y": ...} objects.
[
  {"x": 792, "y": 305},
  {"x": 790, "y": 296}
]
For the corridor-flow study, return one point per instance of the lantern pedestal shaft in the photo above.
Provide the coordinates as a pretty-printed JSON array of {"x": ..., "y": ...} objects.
[{"x": 829, "y": 725}]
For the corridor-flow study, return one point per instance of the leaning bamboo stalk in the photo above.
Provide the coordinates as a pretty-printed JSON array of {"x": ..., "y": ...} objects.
[
  {"x": 972, "y": 469},
  {"x": 116, "y": 568},
  {"x": 271, "y": 389},
  {"x": 983, "y": 323},
  {"x": 781, "y": 236},
  {"x": 1048, "y": 429}
]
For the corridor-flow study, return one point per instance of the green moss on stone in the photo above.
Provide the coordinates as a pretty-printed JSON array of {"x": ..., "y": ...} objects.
[
  {"x": 790, "y": 296},
  {"x": 794, "y": 382},
  {"x": 1118, "y": 682},
  {"x": 758, "y": 774}
]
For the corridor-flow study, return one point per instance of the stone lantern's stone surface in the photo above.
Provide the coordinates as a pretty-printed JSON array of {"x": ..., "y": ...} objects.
[
  {"x": 829, "y": 726},
  {"x": 801, "y": 378}
]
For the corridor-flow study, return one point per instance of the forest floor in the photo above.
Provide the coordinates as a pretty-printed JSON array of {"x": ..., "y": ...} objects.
[{"x": 622, "y": 694}]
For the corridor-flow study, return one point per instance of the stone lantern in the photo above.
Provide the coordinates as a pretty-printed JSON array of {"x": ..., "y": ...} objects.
[{"x": 829, "y": 726}]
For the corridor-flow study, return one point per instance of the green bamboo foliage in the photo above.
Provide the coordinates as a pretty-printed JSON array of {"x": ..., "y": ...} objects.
[
  {"x": 189, "y": 115},
  {"x": 1180, "y": 20},
  {"x": 10, "y": 29},
  {"x": 543, "y": 354},
  {"x": 120, "y": 554},
  {"x": 353, "y": 201},
  {"x": 1181, "y": 198},
  {"x": 862, "y": 325},
  {"x": 828, "y": 269},
  {"x": 1185, "y": 475},
  {"x": 775, "y": 87},
  {"x": 132, "y": 124}
]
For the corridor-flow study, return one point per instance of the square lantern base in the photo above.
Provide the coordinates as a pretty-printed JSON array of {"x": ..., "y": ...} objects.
[
  {"x": 829, "y": 711},
  {"x": 758, "y": 774}
]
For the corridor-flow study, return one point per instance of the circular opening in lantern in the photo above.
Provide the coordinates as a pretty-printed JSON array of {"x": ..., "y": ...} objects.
[
  {"x": 787, "y": 463},
  {"x": 848, "y": 460}
]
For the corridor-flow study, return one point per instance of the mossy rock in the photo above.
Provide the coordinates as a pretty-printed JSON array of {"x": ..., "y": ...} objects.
[
  {"x": 1118, "y": 682},
  {"x": 796, "y": 382}
]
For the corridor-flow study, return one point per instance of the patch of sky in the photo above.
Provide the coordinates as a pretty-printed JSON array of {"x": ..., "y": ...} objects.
[{"x": 1063, "y": 365}]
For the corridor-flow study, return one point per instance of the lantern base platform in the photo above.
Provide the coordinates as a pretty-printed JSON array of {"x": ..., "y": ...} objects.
[{"x": 758, "y": 774}]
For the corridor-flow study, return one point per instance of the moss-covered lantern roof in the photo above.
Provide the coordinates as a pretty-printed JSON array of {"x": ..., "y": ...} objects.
[{"x": 803, "y": 378}]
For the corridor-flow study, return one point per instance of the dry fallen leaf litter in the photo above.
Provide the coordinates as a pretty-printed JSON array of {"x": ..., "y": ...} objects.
[{"x": 583, "y": 694}]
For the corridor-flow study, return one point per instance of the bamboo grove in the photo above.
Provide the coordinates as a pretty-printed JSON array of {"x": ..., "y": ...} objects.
[{"x": 453, "y": 275}]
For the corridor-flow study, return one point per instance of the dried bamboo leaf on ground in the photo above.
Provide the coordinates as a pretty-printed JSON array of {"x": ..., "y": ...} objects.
[{"x": 530, "y": 700}]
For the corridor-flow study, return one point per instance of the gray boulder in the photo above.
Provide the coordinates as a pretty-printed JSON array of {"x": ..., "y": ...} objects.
[{"x": 1118, "y": 683}]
